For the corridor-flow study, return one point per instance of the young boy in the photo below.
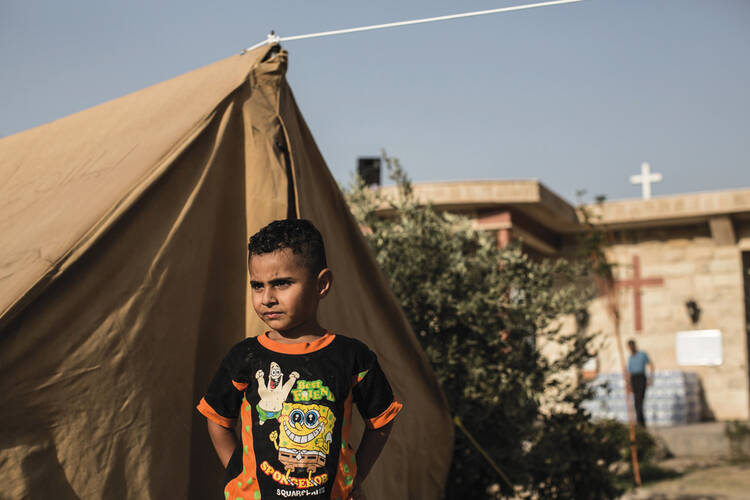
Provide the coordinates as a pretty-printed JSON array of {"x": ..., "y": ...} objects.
[{"x": 293, "y": 386}]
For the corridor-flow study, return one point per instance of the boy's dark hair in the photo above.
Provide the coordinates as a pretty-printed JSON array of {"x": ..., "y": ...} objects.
[{"x": 298, "y": 235}]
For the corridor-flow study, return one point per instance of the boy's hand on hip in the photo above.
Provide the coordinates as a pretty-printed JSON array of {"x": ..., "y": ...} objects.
[{"x": 357, "y": 493}]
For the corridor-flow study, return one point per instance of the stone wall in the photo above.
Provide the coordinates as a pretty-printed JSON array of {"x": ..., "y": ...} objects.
[{"x": 693, "y": 266}]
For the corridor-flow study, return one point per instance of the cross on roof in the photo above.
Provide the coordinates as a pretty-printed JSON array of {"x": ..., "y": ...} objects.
[{"x": 645, "y": 179}]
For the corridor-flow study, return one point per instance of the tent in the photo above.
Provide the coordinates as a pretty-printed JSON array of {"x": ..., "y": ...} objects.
[{"x": 124, "y": 282}]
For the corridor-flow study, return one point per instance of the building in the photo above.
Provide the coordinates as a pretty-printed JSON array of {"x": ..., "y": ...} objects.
[{"x": 682, "y": 272}]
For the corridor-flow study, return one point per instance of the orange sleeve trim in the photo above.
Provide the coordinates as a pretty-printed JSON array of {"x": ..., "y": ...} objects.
[
  {"x": 211, "y": 414},
  {"x": 386, "y": 417},
  {"x": 239, "y": 385}
]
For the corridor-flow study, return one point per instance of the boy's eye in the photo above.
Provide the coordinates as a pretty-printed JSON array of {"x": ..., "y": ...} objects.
[{"x": 256, "y": 286}]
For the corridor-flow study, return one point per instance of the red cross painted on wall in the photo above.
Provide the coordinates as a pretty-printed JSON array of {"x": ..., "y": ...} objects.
[{"x": 636, "y": 282}]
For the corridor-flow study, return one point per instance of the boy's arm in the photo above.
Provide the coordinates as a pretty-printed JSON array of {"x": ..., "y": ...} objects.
[
  {"x": 373, "y": 441},
  {"x": 224, "y": 441}
]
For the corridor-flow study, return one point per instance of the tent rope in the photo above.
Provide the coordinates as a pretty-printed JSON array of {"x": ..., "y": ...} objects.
[
  {"x": 273, "y": 38},
  {"x": 485, "y": 455}
]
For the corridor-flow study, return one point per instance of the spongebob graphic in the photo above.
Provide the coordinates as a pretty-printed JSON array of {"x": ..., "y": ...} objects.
[
  {"x": 273, "y": 395},
  {"x": 304, "y": 436}
]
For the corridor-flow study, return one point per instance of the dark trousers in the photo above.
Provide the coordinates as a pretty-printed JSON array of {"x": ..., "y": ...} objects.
[{"x": 638, "y": 386}]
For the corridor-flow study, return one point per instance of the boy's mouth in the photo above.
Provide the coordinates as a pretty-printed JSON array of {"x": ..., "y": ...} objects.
[{"x": 271, "y": 314}]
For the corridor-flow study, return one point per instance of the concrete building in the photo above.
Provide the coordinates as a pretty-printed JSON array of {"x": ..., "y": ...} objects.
[{"x": 682, "y": 265}]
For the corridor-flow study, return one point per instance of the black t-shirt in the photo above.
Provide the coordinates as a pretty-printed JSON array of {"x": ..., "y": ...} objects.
[{"x": 295, "y": 402}]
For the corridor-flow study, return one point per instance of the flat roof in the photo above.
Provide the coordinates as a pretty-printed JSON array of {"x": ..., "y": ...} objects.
[
  {"x": 535, "y": 200},
  {"x": 530, "y": 197},
  {"x": 680, "y": 208}
]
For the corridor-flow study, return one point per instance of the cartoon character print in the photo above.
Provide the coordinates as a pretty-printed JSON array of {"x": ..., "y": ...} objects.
[
  {"x": 304, "y": 437},
  {"x": 273, "y": 395}
]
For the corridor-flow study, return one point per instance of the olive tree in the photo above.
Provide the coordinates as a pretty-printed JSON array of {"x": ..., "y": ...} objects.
[{"x": 481, "y": 313}]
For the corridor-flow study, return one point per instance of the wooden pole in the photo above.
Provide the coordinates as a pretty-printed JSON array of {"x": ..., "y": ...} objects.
[
  {"x": 606, "y": 285},
  {"x": 629, "y": 402}
]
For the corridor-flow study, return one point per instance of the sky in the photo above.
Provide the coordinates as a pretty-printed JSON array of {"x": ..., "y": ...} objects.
[{"x": 575, "y": 95}]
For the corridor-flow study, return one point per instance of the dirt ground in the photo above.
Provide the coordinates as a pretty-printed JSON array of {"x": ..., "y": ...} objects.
[{"x": 697, "y": 480}]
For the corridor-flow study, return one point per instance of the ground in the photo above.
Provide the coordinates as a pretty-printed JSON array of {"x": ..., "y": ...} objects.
[{"x": 696, "y": 479}]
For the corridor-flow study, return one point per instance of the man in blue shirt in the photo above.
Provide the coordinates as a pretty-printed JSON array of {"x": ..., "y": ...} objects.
[{"x": 637, "y": 369}]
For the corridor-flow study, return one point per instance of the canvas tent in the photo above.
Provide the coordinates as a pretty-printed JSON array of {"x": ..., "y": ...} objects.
[{"x": 123, "y": 283}]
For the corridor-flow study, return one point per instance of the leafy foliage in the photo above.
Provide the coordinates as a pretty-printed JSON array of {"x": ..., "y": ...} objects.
[
  {"x": 619, "y": 434},
  {"x": 483, "y": 316}
]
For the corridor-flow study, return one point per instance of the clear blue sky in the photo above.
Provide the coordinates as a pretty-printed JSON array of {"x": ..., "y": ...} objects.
[{"x": 575, "y": 95}]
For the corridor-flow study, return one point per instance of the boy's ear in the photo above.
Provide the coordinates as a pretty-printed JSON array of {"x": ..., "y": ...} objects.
[{"x": 325, "y": 280}]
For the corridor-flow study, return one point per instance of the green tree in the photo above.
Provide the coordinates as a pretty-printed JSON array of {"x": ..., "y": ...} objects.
[{"x": 483, "y": 316}]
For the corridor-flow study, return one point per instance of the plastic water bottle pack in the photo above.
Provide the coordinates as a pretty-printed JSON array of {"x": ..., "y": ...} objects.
[{"x": 673, "y": 399}]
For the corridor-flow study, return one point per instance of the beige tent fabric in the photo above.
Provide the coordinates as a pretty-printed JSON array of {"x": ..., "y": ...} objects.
[
  {"x": 124, "y": 283},
  {"x": 66, "y": 181}
]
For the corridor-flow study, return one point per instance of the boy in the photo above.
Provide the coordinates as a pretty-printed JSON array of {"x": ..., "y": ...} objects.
[{"x": 293, "y": 386}]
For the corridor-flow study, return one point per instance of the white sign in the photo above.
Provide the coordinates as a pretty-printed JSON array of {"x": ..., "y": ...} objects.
[{"x": 699, "y": 348}]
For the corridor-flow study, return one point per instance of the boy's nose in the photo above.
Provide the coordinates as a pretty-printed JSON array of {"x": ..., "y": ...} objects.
[{"x": 268, "y": 297}]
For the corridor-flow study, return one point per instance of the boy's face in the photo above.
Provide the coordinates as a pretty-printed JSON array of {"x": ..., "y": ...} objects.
[{"x": 285, "y": 292}]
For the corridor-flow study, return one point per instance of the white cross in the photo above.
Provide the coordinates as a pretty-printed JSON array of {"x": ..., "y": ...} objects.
[{"x": 645, "y": 180}]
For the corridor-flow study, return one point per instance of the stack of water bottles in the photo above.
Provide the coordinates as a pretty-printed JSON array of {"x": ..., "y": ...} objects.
[{"x": 673, "y": 399}]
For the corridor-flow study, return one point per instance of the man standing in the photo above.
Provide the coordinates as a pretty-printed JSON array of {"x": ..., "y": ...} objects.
[{"x": 637, "y": 369}]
